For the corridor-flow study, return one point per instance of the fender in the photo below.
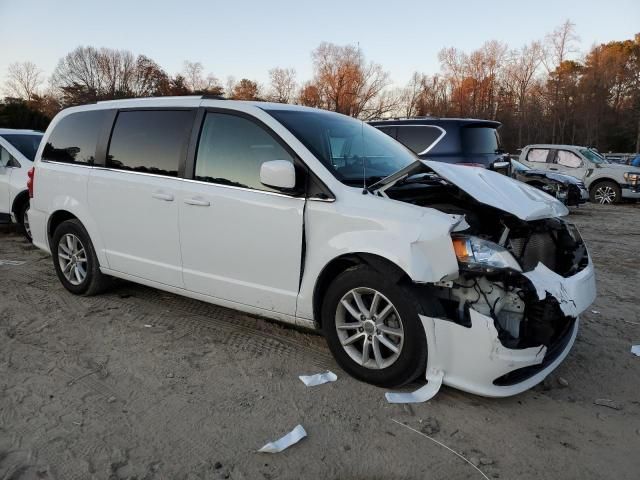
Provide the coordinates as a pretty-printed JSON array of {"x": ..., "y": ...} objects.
[
  {"x": 18, "y": 200},
  {"x": 416, "y": 239}
]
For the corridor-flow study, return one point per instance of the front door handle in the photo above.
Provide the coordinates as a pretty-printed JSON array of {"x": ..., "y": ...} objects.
[
  {"x": 167, "y": 197},
  {"x": 553, "y": 168},
  {"x": 197, "y": 202}
]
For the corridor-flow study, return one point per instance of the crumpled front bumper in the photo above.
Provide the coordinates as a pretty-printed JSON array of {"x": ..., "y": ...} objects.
[{"x": 473, "y": 359}]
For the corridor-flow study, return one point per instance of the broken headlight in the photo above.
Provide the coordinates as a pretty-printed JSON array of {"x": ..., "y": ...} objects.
[{"x": 478, "y": 252}]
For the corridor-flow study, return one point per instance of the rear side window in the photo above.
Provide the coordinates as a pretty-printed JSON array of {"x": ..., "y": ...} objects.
[
  {"x": 568, "y": 159},
  {"x": 418, "y": 138},
  {"x": 538, "y": 155},
  {"x": 480, "y": 140},
  {"x": 232, "y": 149},
  {"x": 150, "y": 141},
  {"x": 74, "y": 138},
  {"x": 26, "y": 144},
  {"x": 5, "y": 157}
]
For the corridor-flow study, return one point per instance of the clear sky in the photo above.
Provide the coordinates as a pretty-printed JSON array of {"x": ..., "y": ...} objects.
[{"x": 246, "y": 38}]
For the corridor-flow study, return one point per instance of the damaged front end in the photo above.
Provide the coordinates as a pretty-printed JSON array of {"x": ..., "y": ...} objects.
[{"x": 511, "y": 315}]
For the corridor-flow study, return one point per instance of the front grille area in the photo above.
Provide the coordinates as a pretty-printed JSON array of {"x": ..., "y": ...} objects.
[
  {"x": 559, "y": 247},
  {"x": 539, "y": 247}
]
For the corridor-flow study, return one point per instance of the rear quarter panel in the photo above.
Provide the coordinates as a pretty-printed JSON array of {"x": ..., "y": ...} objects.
[{"x": 60, "y": 186}]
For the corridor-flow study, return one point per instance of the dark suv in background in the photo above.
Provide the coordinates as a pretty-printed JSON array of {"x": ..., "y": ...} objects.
[{"x": 451, "y": 140}]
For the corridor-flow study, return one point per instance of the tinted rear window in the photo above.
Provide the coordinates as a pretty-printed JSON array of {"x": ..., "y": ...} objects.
[
  {"x": 27, "y": 145},
  {"x": 74, "y": 138},
  {"x": 479, "y": 140},
  {"x": 418, "y": 138},
  {"x": 150, "y": 141}
]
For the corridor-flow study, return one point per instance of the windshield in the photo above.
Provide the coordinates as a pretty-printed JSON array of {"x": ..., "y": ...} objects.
[
  {"x": 356, "y": 153},
  {"x": 592, "y": 156},
  {"x": 480, "y": 140},
  {"x": 27, "y": 145}
]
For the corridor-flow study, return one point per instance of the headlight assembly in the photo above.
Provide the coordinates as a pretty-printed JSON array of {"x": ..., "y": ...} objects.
[
  {"x": 632, "y": 177},
  {"x": 477, "y": 252}
]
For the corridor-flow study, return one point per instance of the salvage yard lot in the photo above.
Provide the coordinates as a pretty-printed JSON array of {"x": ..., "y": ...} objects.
[{"x": 138, "y": 383}]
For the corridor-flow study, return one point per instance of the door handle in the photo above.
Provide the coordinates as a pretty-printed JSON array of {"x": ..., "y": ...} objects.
[
  {"x": 552, "y": 168},
  {"x": 197, "y": 202},
  {"x": 167, "y": 197}
]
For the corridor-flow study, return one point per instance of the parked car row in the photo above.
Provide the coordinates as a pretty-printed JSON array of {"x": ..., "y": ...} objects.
[
  {"x": 623, "y": 158},
  {"x": 17, "y": 151},
  {"x": 309, "y": 217},
  {"x": 564, "y": 171},
  {"x": 606, "y": 182}
]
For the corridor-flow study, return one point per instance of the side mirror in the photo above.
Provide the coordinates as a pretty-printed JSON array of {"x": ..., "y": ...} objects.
[
  {"x": 502, "y": 167},
  {"x": 280, "y": 174}
]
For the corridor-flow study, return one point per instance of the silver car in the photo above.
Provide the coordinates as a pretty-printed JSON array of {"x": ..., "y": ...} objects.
[{"x": 607, "y": 182}]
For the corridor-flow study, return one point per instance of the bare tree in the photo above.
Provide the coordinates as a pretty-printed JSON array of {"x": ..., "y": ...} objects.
[
  {"x": 521, "y": 68},
  {"x": 193, "y": 73},
  {"x": 197, "y": 82},
  {"x": 283, "y": 85},
  {"x": 559, "y": 45},
  {"x": 411, "y": 94},
  {"x": 23, "y": 80},
  {"x": 346, "y": 83},
  {"x": 87, "y": 74}
]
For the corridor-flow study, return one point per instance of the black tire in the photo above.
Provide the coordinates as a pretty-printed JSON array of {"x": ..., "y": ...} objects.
[
  {"x": 412, "y": 358},
  {"x": 94, "y": 281},
  {"x": 605, "y": 193},
  {"x": 21, "y": 217}
]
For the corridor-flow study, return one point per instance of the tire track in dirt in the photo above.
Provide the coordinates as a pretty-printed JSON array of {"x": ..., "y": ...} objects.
[{"x": 201, "y": 318}]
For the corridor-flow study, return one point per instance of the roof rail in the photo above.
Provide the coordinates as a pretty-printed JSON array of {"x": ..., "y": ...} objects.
[
  {"x": 212, "y": 97},
  {"x": 424, "y": 117}
]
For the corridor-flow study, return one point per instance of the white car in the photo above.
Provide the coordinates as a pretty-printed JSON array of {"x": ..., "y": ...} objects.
[
  {"x": 319, "y": 220},
  {"x": 17, "y": 150}
]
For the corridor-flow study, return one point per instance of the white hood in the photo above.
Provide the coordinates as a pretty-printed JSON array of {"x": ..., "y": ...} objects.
[{"x": 499, "y": 191}]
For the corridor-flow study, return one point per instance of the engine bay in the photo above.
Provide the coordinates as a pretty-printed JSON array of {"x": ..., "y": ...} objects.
[{"x": 522, "y": 319}]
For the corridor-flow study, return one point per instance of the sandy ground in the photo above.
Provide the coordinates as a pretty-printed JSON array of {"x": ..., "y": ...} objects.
[{"x": 140, "y": 384}]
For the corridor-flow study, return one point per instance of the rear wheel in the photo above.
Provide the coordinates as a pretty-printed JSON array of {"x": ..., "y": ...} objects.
[
  {"x": 23, "y": 219},
  {"x": 372, "y": 327},
  {"x": 75, "y": 260},
  {"x": 605, "y": 193}
]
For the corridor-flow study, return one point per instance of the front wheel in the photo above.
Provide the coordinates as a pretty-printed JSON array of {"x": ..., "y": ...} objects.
[
  {"x": 605, "y": 193},
  {"x": 372, "y": 327}
]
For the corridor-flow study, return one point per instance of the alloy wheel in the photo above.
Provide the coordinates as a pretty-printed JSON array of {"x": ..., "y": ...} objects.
[
  {"x": 369, "y": 328},
  {"x": 72, "y": 258},
  {"x": 25, "y": 222},
  {"x": 605, "y": 194}
]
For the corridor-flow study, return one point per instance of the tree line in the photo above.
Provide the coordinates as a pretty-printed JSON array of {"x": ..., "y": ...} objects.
[{"x": 546, "y": 91}]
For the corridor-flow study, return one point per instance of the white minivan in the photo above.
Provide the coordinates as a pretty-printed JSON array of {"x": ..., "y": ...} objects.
[
  {"x": 316, "y": 219},
  {"x": 17, "y": 150}
]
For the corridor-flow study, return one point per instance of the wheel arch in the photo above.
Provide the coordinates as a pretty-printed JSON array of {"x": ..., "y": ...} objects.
[
  {"x": 55, "y": 219},
  {"x": 343, "y": 262},
  {"x": 600, "y": 180},
  {"x": 19, "y": 200}
]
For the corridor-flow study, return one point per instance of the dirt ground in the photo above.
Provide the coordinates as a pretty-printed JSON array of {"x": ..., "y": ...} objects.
[{"x": 141, "y": 384}]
